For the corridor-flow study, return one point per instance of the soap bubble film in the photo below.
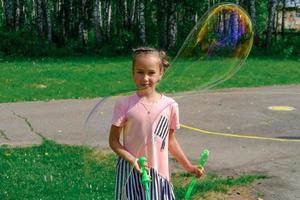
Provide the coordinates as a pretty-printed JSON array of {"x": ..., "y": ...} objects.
[{"x": 214, "y": 51}]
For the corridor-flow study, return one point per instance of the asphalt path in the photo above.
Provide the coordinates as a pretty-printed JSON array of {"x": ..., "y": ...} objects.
[{"x": 243, "y": 129}]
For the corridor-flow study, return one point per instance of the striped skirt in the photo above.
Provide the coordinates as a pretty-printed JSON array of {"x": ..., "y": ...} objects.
[{"x": 129, "y": 185}]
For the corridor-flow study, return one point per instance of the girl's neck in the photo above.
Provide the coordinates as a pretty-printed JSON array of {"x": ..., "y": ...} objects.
[{"x": 150, "y": 96}]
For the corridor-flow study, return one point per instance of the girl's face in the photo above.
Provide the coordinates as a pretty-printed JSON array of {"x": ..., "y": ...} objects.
[{"x": 147, "y": 71}]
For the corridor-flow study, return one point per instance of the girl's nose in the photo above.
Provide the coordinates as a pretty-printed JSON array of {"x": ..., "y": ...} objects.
[{"x": 146, "y": 77}]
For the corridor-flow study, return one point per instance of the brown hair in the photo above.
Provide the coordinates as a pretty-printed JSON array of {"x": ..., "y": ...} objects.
[{"x": 147, "y": 50}]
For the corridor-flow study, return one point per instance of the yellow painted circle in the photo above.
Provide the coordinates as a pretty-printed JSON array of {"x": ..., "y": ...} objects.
[{"x": 281, "y": 108}]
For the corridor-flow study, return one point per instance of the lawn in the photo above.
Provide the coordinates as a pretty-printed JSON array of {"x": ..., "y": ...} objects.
[
  {"x": 89, "y": 77},
  {"x": 55, "y": 171}
]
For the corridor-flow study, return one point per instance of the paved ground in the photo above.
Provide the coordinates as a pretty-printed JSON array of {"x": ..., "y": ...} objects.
[{"x": 225, "y": 122}]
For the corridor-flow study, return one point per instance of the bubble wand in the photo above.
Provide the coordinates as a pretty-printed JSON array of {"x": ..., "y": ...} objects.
[
  {"x": 202, "y": 160},
  {"x": 146, "y": 179}
]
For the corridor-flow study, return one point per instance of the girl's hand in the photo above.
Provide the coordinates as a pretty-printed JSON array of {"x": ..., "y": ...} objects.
[
  {"x": 197, "y": 171},
  {"x": 138, "y": 168}
]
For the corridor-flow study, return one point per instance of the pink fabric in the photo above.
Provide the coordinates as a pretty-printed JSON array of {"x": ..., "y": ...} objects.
[{"x": 140, "y": 129}]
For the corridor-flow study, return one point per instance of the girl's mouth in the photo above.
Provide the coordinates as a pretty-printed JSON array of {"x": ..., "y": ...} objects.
[{"x": 145, "y": 85}]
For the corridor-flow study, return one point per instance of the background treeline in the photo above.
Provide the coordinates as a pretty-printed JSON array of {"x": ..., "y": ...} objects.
[{"x": 114, "y": 27}]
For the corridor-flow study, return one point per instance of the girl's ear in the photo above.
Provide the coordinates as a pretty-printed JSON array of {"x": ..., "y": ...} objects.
[
  {"x": 161, "y": 74},
  {"x": 161, "y": 71}
]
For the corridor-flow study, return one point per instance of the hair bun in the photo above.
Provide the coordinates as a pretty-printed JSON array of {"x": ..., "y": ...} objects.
[{"x": 164, "y": 59}]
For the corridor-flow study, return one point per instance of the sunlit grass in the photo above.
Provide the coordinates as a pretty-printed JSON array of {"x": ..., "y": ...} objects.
[
  {"x": 212, "y": 183},
  {"x": 54, "y": 171},
  {"x": 88, "y": 77}
]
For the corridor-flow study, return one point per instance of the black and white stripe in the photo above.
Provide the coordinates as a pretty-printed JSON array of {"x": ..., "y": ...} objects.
[
  {"x": 162, "y": 129},
  {"x": 132, "y": 189}
]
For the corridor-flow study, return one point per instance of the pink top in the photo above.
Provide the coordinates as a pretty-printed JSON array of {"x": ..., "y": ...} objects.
[{"x": 146, "y": 128}]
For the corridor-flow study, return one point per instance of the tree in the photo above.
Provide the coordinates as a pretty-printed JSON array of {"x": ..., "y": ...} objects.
[
  {"x": 107, "y": 14},
  {"x": 48, "y": 21},
  {"x": 82, "y": 26},
  {"x": 40, "y": 20},
  {"x": 283, "y": 18},
  {"x": 172, "y": 24},
  {"x": 97, "y": 22},
  {"x": 43, "y": 19},
  {"x": 162, "y": 23},
  {"x": 142, "y": 22},
  {"x": 253, "y": 18},
  {"x": 122, "y": 24},
  {"x": 8, "y": 13},
  {"x": 270, "y": 22}
]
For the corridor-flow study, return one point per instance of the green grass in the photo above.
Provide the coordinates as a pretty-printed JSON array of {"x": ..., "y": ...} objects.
[
  {"x": 54, "y": 171},
  {"x": 28, "y": 80},
  {"x": 211, "y": 183},
  {"x": 88, "y": 77},
  {"x": 265, "y": 72}
]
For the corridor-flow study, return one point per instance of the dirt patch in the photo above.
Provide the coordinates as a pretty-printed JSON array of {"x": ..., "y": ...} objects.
[{"x": 234, "y": 193}]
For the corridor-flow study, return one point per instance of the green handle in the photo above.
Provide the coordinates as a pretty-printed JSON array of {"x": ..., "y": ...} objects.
[
  {"x": 201, "y": 164},
  {"x": 203, "y": 158},
  {"x": 145, "y": 177}
]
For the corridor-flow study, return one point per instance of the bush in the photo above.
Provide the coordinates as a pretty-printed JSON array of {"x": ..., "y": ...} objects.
[{"x": 284, "y": 48}]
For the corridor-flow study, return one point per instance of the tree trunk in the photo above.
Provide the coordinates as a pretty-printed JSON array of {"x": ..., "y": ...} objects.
[
  {"x": 172, "y": 24},
  {"x": 40, "y": 18},
  {"x": 101, "y": 16},
  {"x": 116, "y": 19},
  {"x": 109, "y": 19},
  {"x": 49, "y": 21},
  {"x": 18, "y": 15},
  {"x": 270, "y": 23},
  {"x": 283, "y": 19},
  {"x": 142, "y": 22},
  {"x": 234, "y": 27},
  {"x": 97, "y": 26},
  {"x": 253, "y": 18},
  {"x": 22, "y": 13},
  {"x": 68, "y": 25},
  {"x": 121, "y": 16},
  {"x": 8, "y": 12},
  {"x": 60, "y": 8},
  {"x": 27, "y": 13},
  {"x": 81, "y": 28},
  {"x": 162, "y": 23},
  {"x": 131, "y": 14},
  {"x": 276, "y": 19},
  {"x": 104, "y": 19},
  {"x": 126, "y": 16}
]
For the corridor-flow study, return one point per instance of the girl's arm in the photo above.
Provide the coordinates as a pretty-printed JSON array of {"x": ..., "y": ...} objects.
[
  {"x": 118, "y": 148},
  {"x": 176, "y": 150}
]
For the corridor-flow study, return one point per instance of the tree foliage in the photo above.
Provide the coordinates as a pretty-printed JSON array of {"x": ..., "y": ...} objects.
[{"x": 114, "y": 27}]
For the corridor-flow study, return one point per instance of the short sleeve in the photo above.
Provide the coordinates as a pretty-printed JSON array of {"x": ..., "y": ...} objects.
[
  {"x": 174, "y": 118},
  {"x": 119, "y": 113}
]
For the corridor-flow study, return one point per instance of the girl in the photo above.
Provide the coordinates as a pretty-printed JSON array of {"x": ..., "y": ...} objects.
[{"x": 147, "y": 120}]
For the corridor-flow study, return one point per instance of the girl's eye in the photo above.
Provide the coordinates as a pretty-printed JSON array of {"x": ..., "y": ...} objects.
[{"x": 140, "y": 72}]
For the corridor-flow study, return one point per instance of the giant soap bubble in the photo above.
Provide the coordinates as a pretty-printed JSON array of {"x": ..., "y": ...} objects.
[{"x": 214, "y": 51}]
